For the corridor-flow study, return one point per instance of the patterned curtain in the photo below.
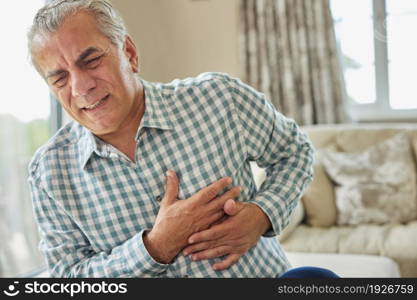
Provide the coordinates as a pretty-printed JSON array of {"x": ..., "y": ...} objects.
[{"x": 289, "y": 52}]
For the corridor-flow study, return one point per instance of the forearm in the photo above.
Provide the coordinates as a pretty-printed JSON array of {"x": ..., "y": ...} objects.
[
  {"x": 159, "y": 250},
  {"x": 129, "y": 259},
  {"x": 283, "y": 187},
  {"x": 262, "y": 219}
]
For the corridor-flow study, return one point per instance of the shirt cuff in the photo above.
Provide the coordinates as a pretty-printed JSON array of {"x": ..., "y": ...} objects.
[
  {"x": 266, "y": 203},
  {"x": 138, "y": 260}
]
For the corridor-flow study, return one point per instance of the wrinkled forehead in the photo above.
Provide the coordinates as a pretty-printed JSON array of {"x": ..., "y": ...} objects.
[{"x": 64, "y": 46}]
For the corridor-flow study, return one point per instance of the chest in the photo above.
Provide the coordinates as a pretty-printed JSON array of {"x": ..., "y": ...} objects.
[{"x": 112, "y": 199}]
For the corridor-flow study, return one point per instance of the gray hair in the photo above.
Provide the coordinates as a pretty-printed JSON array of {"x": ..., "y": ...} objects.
[{"x": 51, "y": 16}]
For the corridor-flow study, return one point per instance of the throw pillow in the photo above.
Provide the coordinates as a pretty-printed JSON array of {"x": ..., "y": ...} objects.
[
  {"x": 319, "y": 200},
  {"x": 377, "y": 185}
]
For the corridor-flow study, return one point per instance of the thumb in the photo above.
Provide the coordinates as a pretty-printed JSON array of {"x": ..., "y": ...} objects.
[
  {"x": 231, "y": 207},
  {"x": 171, "y": 188}
]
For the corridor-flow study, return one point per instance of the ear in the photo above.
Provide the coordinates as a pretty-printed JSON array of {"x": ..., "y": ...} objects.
[{"x": 131, "y": 53}]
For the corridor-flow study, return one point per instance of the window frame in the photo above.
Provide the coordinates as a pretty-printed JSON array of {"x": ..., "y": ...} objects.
[
  {"x": 380, "y": 110},
  {"x": 56, "y": 115}
]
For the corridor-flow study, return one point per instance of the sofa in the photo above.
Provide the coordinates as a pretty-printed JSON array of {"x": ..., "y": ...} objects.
[{"x": 359, "y": 215}]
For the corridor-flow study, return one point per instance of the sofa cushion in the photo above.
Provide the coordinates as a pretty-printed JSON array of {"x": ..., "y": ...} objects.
[
  {"x": 347, "y": 138},
  {"x": 391, "y": 240},
  {"x": 318, "y": 199},
  {"x": 354, "y": 137},
  {"x": 377, "y": 185},
  {"x": 359, "y": 139}
]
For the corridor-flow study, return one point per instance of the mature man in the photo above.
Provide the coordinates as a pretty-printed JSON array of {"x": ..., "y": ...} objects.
[{"x": 137, "y": 185}]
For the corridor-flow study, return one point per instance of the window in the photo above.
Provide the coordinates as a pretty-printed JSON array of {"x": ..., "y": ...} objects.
[
  {"x": 377, "y": 50},
  {"x": 25, "y": 124}
]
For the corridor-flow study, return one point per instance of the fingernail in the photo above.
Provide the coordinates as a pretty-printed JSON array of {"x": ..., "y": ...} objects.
[
  {"x": 191, "y": 241},
  {"x": 185, "y": 253},
  {"x": 229, "y": 180},
  {"x": 169, "y": 173}
]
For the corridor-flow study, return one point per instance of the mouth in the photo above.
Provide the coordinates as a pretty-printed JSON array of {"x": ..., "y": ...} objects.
[{"x": 97, "y": 104}]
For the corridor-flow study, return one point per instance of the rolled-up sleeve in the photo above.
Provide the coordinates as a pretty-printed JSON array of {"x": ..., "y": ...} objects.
[
  {"x": 68, "y": 252},
  {"x": 275, "y": 143}
]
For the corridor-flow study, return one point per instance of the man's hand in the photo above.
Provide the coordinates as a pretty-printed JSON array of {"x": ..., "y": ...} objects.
[
  {"x": 233, "y": 237},
  {"x": 177, "y": 219}
]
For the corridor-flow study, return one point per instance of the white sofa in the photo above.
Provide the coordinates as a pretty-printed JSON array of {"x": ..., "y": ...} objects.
[
  {"x": 314, "y": 236},
  {"x": 348, "y": 265}
]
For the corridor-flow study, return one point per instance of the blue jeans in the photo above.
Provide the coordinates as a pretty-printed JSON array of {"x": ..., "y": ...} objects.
[{"x": 309, "y": 272}]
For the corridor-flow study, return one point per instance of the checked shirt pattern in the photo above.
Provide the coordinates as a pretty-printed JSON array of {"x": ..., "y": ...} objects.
[{"x": 93, "y": 204}]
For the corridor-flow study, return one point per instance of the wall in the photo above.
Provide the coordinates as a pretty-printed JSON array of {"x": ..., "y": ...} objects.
[{"x": 181, "y": 38}]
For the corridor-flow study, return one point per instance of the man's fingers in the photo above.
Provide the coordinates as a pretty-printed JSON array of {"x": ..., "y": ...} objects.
[
  {"x": 230, "y": 207},
  {"x": 221, "y": 220},
  {"x": 197, "y": 247},
  {"x": 216, "y": 217},
  {"x": 208, "y": 193},
  {"x": 211, "y": 253},
  {"x": 233, "y": 207},
  {"x": 227, "y": 262},
  {"x": 213, "y": 233},
  {"x": 171, "y": 187},
  {"x": 219, "y": 202}
]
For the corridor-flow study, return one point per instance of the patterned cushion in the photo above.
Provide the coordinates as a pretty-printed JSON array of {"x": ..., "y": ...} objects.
[{"x": 377, "y": 185}]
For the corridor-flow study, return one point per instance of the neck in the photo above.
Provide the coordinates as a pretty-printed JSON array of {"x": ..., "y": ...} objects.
[{"x": 124, "y": 138}]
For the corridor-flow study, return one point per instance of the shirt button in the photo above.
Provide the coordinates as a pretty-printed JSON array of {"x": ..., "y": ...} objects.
[{"x": 159, "y": 198}]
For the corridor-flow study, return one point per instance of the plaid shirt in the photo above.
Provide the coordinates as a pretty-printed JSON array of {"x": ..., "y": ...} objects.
[{"x": 93, "y": 204}]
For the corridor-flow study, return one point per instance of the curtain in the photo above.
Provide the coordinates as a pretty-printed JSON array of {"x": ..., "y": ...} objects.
[{"x": 289, "y": 52}]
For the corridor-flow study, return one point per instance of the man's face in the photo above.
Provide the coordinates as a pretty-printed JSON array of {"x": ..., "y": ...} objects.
[{"x": 92, "y": 78}]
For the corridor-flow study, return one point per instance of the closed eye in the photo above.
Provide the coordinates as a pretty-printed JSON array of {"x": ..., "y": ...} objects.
[
  {"x": 94, "y": 62},
  {"x": 60, "y": 82}
]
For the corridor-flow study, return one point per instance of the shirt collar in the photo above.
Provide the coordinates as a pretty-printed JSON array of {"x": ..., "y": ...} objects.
[
  {"x": 157, "y": 115},
  {"x": 87, "y": 145}
]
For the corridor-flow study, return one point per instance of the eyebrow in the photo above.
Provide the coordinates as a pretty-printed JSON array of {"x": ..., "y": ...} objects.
[
  {"x": 54, "y": 73},
  {"x": 86, "y": 53}
]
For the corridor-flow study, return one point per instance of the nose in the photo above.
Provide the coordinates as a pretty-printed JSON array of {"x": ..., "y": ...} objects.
[{"x": 82, "y": 83}]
